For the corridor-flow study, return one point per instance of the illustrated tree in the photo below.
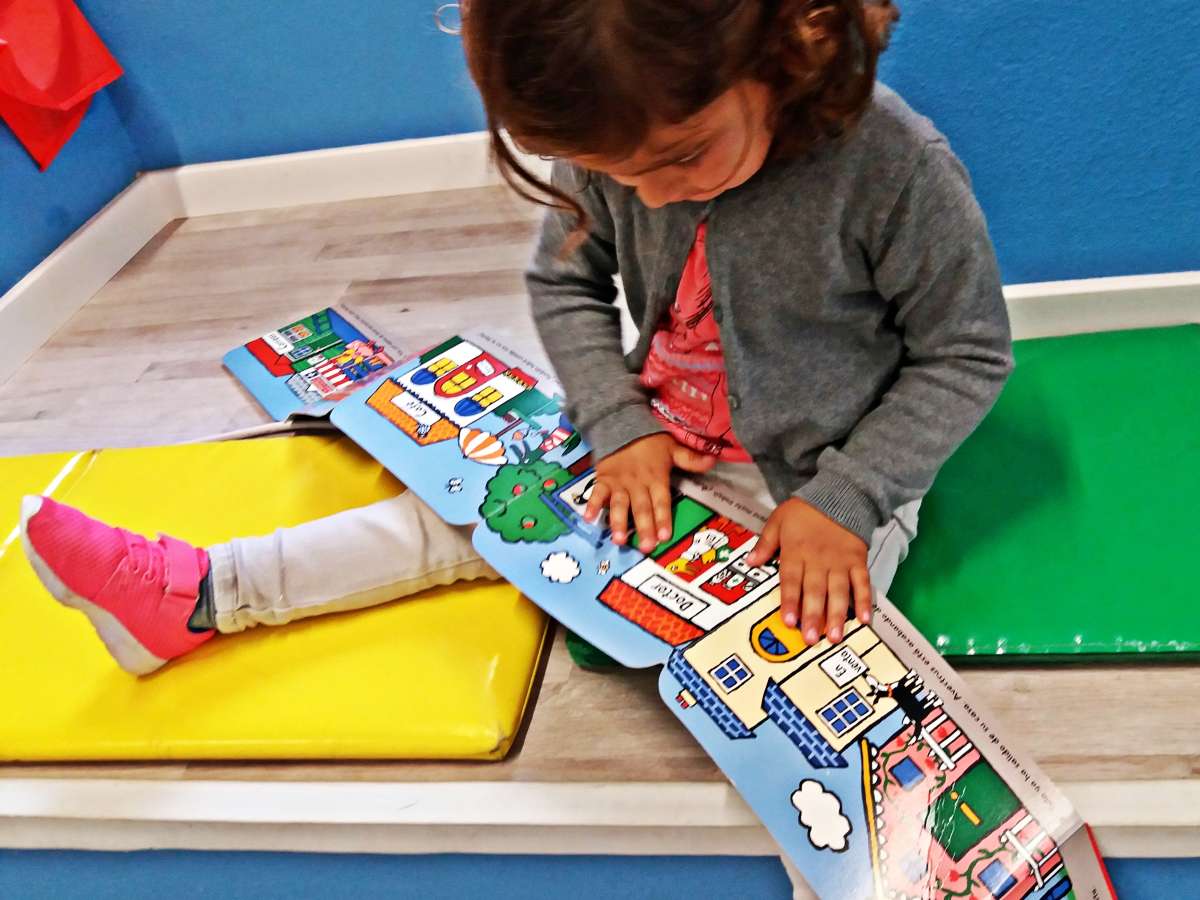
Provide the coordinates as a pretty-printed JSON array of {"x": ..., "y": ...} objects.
[{"x": 513, "y": 507}]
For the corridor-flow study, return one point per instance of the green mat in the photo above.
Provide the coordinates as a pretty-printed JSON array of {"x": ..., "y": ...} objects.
[{"x": 1066, "y": 526}]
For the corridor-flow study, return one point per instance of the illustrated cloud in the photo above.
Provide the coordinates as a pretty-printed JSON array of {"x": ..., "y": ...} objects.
[
  {"x": 560, "y": 567},
  {"x": 821, "y": 814}
]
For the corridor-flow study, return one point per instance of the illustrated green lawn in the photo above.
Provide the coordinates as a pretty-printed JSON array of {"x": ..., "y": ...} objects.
[{"x": 987, "y": 797}]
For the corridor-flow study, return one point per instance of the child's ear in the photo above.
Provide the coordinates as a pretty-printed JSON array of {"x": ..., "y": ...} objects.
[{"x": 882, "y": 15}]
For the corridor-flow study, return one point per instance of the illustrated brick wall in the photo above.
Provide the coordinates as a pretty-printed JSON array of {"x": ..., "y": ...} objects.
[
  {"x": 381, "y": 401},
  {"x": 641, "y": 611},
  {"x": 800, "y": 731},
  {"x": 706, "y": 697}
]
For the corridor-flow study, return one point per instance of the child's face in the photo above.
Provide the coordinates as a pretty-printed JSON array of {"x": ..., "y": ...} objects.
[{"x": 719, "y": 148}]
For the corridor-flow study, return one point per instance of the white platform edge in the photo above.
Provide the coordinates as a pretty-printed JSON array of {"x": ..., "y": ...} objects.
[
  {"x": 343, "y": 173},
  {"x": 1131, "y": 819},
  {"x": 41, "y": 302},
  {"x": 1103, "y": 304}
]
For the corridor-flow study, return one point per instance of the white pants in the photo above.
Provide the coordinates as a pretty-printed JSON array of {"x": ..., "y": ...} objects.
[
  {"x": 351, "y": 560},
  {"x": 391, "y": 549}
]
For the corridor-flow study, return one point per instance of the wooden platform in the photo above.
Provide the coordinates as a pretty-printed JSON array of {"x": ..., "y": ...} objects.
[{"x": 141, "y": 365}]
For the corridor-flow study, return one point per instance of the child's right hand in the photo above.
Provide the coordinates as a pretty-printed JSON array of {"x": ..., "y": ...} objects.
[{"x": 638, "y": 477}]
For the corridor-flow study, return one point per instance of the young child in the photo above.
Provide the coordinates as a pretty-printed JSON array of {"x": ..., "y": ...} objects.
[
  {"x": 818, "y": 304},
  {"x": 819, "y": 311}
]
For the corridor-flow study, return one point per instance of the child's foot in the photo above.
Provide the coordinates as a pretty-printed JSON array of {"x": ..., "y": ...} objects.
[{"x": 137, "y": 593}]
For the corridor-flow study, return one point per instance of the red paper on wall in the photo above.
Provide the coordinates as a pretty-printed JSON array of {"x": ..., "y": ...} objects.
[{"x": 51, "y": 63}]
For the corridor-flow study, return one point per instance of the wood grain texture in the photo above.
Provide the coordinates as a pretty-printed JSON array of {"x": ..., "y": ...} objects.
[{"x": 140, "y": 365}]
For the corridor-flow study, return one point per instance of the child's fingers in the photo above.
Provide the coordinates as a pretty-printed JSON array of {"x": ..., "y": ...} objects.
[
  {"x": 791, "y": 583},
  {"x": 597, "y": 501},
  {"x": 660, "y": 497},
  {"x": 860, "y": 578},
  {"x": 812, "y": 606},
  {"x": 691, "y": 460},
  {"x": 837, "y": 606},
  {"x": 643, "y": 518},
  {"x": 618, "y": 516},
  {"x": 768, "y": 543}
]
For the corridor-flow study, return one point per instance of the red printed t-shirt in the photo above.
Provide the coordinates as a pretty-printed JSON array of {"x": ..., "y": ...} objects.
[{"x": 685, "y": 368}]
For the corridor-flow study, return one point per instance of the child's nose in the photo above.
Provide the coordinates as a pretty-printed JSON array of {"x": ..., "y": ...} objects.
[
  {"x": 659, "y": 193},
  {"x": 651, "y": 197}
]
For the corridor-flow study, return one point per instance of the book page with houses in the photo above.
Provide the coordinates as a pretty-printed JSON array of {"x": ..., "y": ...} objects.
[
  {"x": 467, "y": 425},
  {"x": 868, "y": 760},
  {"x": 304, "y": 368}
]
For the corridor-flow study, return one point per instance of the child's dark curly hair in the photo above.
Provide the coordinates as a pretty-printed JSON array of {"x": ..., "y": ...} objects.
[{"x": 592, "y": 77}]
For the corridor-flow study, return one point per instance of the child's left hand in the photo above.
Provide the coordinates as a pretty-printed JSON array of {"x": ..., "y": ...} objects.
[{"x": 820, "y": 560}]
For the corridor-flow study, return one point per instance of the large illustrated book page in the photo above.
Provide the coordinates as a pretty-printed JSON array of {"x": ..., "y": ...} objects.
[
  {"x": 305, "y": 367},
  {"x": 868, "y": 761}
]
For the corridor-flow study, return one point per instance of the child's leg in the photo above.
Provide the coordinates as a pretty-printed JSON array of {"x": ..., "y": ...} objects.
[
  {"x": 889, "y": 545},
  {"x": 351, "y": 560},
  {"x": 151, "y": 601}
]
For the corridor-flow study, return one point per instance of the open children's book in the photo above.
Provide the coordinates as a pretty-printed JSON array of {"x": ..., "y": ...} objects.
[
  {"x": 868, "y": 760},
  {"x": 305, "y": 367}
]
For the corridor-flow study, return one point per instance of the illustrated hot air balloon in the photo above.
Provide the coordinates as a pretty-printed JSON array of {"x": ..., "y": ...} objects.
[{"x": 481, "y": 447}]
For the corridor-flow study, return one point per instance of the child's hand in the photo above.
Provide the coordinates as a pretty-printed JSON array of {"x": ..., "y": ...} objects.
[
  {"x": 820, "y": 560},
  {"x": 638, "y": 477}
]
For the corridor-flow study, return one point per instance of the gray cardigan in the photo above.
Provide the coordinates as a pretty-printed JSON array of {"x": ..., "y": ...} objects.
[{"x": 858, "y": 300}]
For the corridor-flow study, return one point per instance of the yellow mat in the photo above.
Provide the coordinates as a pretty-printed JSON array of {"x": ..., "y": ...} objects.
[{"x": 444, "y": 675}]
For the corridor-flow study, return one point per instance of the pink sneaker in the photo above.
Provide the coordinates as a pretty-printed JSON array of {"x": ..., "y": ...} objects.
[{"x": 137, "y": 593}]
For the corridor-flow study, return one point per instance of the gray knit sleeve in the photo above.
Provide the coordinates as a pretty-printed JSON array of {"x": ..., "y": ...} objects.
[
  {"x": 934, "y": 262},
  {"x": 573, "y": 301}
]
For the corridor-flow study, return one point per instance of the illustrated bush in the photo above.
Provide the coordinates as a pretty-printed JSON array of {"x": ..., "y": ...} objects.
[{"x": 513, "y": 507}]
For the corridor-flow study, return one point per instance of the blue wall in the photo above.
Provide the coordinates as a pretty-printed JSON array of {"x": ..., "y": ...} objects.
[
  {"x": 1079, "y": 123},
  {"x": 53, "y": 875},
  {"x": 227, "y": 79},
  {"x": 38, "y": 210}
]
